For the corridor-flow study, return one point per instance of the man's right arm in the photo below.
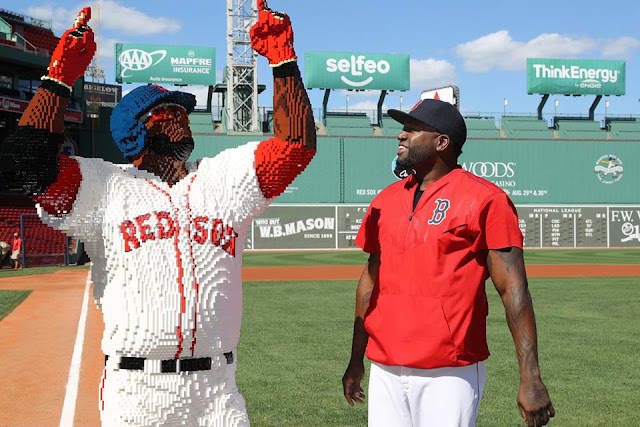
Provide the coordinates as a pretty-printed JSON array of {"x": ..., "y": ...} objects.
[{"x": 355, "y": 371}]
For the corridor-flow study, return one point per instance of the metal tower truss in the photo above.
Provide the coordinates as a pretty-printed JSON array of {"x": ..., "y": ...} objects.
[{"x": 242, "y": 69}]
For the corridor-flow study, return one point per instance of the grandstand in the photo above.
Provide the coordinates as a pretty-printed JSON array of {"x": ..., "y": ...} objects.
[
  {"x": 348, "y": 124},
  {"x": 525, "y": 127},
  {"x": 42, "y": 244},
  {"x": 579, "y": 128},
  {"x": 26, "y": 45},
  {"x": 625, "y": 129}
]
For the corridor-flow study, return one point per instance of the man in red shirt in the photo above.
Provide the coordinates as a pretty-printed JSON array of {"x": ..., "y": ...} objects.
[
  {"x": 434, "y": 238},
  {"x": 16, "y": 247}
]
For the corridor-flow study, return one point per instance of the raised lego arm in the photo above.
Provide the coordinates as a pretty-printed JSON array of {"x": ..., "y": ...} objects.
[
  {"x": 29, "y": 157},
  {"x": 281, "y": 159}
]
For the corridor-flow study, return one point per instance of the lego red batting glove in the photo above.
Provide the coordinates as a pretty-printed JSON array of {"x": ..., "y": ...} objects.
[
  {"x": 272, "y": 36},
  {"x": 73, "y": 54}
]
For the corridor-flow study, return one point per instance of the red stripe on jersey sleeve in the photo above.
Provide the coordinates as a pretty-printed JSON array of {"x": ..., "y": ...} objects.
[
  {"x": 278, "y": 163},
  {"x": 59, "y": 197}
]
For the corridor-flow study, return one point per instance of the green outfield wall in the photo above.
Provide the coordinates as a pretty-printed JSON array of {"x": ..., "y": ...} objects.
[
  {"x": 543, "y": 226},
  {"x": 355, "y": 169}
]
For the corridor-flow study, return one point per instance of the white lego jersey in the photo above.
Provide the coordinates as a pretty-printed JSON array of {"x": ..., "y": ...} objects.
[{"x": 167, "y": 259}]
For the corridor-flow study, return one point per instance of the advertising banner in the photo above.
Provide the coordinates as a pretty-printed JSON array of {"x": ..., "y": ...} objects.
[
  {"x": 305, "y": 227},
  {"x": 180, "y": 65},
  {"x": 542, "y": 226},
  {"x": 576, "y": 77},
  {"x": 102, "y": 94},
  {"x": 18, "y": 106},
  {"x": 350, "y": 70}
]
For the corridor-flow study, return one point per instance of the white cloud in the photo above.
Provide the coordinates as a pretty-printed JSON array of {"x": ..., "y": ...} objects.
[
  {"x": 499, "y": 50},
  {"x": 113, "y": 16},
  {"x": 106, "y": 47},
  {"x": 620, "y": 47},
  {"x": 431, "y": 73}
]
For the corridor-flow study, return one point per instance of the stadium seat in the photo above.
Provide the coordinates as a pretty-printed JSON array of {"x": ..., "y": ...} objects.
[
  {"x": 580, "y": 129},
  {"x": 525, "y": 127},
  {"x": 625, "y": 130},
  {"x": 355, "y": 124},
  {"x": 201, "y": 122},
  {"x": 482, "y": 128}
]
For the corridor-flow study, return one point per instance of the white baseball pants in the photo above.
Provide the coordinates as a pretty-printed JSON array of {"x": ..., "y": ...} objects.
[
  {"x": 152, "y": 399},
  {"x": 411, "y": 397}
]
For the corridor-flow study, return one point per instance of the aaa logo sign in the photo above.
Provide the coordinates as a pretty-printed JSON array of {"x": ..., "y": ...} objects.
[{"x": 165, "y": 64}]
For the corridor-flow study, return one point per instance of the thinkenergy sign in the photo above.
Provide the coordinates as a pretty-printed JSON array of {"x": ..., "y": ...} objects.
[
  {"x": 348, "y": 70},
  {"x": 576, "y": 77},
  {"x": 165, "y": 64}
]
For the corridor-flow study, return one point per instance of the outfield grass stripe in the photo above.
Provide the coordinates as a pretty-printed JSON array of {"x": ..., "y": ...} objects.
[
  {"x": 532, "y": 256},
  {"x": 296, "y": 339}
]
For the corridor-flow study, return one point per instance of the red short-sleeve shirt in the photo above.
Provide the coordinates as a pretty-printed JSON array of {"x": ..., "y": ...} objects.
[{"x": 429, "y": 306}]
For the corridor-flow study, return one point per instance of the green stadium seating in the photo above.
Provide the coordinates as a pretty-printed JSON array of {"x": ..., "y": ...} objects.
[
  {"x": 482, "y": 128},
  {"x": 483, "y": 133},
  {"x": 350, "y": 131},
  {"x": 201, "y": 122},
  {"x": 356, "y": 124},
  {"x": 390, "y": 127},
  {"x": 627, "y": 130},
  {"x": 525, "y": 127},
  {"x": 580, "y": 129}
]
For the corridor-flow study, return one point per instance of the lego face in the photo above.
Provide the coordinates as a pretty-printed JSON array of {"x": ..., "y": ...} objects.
[
  {"x": 168, "y": 119},
  {"x": 168, "y": 132}
]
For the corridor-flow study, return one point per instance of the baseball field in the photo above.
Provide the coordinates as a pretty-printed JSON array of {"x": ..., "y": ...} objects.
[{"x": 296, "y": 337}]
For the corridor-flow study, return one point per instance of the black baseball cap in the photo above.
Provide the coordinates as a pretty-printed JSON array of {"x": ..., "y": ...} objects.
[{"x": 438, "y": 114}]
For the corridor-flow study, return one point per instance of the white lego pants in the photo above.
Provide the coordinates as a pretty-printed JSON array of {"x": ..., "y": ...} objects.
[
  {"x": 148, "y": 398},
  {"x": 411, "y": 397}
]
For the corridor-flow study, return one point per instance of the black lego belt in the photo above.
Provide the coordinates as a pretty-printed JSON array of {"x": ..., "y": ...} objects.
[{"x": 171, "y": 365}]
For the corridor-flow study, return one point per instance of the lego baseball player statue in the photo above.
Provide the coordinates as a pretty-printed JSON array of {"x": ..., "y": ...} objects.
[{"x": 165, "y": 236}]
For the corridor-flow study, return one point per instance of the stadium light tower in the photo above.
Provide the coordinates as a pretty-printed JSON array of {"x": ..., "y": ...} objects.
[{"x": 242, "y": 69}]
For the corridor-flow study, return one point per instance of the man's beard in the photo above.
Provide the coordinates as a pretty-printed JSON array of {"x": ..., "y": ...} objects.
[
  {"x": 162, "y": 145},
  {"x": 415, "y": 156}
]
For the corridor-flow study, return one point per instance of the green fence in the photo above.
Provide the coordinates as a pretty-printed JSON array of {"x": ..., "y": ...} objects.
[{"x": 355, "y": 169}]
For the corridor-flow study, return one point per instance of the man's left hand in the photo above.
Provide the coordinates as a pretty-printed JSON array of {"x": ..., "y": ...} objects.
[
  {"x": 534, "y": 403},
  {"x": 272, "y": 36}
]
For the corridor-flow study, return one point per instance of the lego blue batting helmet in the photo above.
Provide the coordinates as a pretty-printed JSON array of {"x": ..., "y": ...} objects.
[{"x": 127, "y": 129}]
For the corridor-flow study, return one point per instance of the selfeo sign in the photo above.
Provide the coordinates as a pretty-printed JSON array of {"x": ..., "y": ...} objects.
[
  {"x": 576, "y": 77},
  {"x": 349, "y": 70},
  {"x": 165, "y": 64}
]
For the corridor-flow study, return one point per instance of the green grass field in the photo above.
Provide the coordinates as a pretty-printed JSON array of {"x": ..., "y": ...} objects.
[
  {"x": 10, "y": 300},
  {"x": 296, "y": 339},
  {"x": 533, "y": 256}
]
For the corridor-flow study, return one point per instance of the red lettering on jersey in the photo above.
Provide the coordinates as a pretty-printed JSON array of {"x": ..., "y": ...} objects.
[
  {"x": 165, "y": 231},
  {"x": 129, "y": 231},
  {"x": 138, "y": 231},
  {"x": 201, "y": 233},
  {"x": 229, "y": 245},
  {"x": 217, "y": 232},
  {"x": 144, "y": 228}
]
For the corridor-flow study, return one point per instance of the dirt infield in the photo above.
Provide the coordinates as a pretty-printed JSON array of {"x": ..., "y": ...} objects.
[{"x": 37, "y": 338}]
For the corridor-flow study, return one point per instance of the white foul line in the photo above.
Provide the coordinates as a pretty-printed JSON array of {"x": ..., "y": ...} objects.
[{"x": 69, "y": 406}]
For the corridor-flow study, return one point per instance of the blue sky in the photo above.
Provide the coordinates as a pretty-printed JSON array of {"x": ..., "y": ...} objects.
[{"x": 479, "y": 46}]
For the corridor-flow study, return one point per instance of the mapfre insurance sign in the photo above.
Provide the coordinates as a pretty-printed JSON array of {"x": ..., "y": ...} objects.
[
  {"x": 360, "y": 71},
  {"x": 179, "y": 65}
]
